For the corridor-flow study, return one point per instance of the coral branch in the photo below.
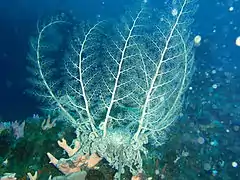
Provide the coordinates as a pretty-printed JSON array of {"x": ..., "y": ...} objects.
[
  {"x": 76, "y": 162},
  {"x": 71, "y": 151}
]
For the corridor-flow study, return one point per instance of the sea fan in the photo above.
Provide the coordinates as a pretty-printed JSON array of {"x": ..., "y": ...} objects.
[{"x": 122, "y": 91}]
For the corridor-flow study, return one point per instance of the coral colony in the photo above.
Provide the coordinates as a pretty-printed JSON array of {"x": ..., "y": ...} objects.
[
  {"x": 120, "y": 92},
  {"x": 145, "y": 71}
]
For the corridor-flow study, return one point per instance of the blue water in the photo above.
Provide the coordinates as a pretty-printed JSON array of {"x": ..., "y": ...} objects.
[{"x": 205, "y": 143}]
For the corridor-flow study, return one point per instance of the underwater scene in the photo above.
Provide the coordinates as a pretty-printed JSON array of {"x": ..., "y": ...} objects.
[{"x": 120, "y": 90}]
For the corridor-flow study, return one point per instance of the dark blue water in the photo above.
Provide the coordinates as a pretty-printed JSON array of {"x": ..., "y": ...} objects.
[{"x": 214, "y": 22}]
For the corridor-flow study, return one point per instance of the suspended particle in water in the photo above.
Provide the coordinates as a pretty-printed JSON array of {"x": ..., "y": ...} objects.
[
  {"x": 236, "y": 128},
  {"x": 214, "y": 172},
  {"x": 207, "y": 166},
  {"x": 214, "y": 86},
  {"x": 234, "y": 164},
  {"x": 231, "y": 9},
  {"x": 201, "y": 140},
  {"x": 214, "y": 71},
  {"x": 197, "y": 40},
  {"x": 238, "y": 41},
  {"x": 174, "y": 12}
]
